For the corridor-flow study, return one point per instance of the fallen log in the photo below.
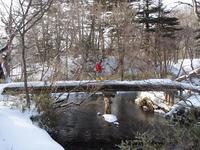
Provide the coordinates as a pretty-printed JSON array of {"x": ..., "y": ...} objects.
[
  {"x": 101, "y": 86},
  {"x": 193, "y": 73}
]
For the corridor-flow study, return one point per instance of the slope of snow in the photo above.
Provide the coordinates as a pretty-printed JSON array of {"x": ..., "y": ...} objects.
[
  {"x": 38, "y": 71},
  {"x": 157, "y": 97},
  {"x": 185, "y": 66},
  {"x": 17, "y": 132},
  {"x": 109, "y": 65},
  {"x": 194, "y": 100}
]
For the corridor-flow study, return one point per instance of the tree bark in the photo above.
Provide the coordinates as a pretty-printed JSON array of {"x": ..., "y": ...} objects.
[
  {"x": 111, "y": 86},
  {"x": 25, "y": 70}
]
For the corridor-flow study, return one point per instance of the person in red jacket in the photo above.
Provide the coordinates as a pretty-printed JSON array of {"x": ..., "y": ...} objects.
[{"x": 99, "y": 70}]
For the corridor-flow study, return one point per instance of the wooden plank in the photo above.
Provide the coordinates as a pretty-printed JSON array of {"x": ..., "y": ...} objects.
[{"x": 102, "y": 86}]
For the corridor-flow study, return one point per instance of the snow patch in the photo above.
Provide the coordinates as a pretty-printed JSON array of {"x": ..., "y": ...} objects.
[
  {"x": 110, "y": 118},
  {"x": 156, "y": 97},
  {"x": 192, "y": 101},
  {"x": 185, "y": 66}
]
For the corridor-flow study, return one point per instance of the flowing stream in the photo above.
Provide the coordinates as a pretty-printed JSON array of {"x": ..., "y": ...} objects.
[{"x": 80, "y": 128}]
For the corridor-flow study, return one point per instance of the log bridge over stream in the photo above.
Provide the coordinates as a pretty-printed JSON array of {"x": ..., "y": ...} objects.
[
  {"x": 100, "y": 86},
  {"x": 107, "y": 87}
]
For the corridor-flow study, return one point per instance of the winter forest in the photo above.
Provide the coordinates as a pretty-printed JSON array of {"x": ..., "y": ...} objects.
[
  {"x": 136, "y": 40},
  {"x": 143, "y": 95}
]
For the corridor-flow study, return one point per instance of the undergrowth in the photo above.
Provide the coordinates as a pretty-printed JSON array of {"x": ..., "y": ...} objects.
[
  {"x": 47, "y": 117},
  {"x": 175, "y": 135}
]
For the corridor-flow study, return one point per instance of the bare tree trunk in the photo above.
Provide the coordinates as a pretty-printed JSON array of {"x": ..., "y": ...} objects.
[
  {"x": 165, "y": 63},
  {"x": 25, "y": 69},
  {"x": 4, "y": 66},
  {"x": 6, "y": 57},
  {"x": 66, "y": 57}
]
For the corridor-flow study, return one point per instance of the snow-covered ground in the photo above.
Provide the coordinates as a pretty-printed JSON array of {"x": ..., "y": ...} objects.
[
  {"x": 182, "y": 67},
  {"x": 192, "y": 101},
  {"x": 38, "y": 71},
  {"x": 185, "y": 66},
  {"x": 17, "y": 132},
  {"x": 156, "y": 97}
]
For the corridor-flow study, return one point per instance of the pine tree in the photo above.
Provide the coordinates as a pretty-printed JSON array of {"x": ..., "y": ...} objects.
[
  {"x": 154, "y": 17},
  {"x": 165, "y": 27},
  {"x": 156, "y": 21}
]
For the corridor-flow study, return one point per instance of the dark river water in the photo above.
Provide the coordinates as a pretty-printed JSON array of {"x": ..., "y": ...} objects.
[{"x": 80, "y": 128}]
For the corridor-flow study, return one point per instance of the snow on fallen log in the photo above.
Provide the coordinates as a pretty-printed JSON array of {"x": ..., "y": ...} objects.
[{"x": 93, "y": 85}]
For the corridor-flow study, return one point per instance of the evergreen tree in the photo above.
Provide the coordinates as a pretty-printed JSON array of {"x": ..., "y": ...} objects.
[
  {"x": 145, "y": 13},
  {"x": 164, "y": 23},
  {"x": 156, "y": 21},
  {"x": 154, "y": 17}
]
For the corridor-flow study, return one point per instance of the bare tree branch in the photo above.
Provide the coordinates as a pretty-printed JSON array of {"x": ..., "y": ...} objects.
[
  {"x": 18, "y": 26},
  {"x": 184, "y": 3}
]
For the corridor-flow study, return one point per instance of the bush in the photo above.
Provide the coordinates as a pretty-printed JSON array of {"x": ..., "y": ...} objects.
[
  {"x": 142, "y": 141},
  {"x": 47, "y": 117},
  {"x": 169, "y": 137}
]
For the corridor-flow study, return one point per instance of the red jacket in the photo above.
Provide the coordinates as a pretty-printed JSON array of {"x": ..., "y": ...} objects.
[{"x": 98, "y": 67}]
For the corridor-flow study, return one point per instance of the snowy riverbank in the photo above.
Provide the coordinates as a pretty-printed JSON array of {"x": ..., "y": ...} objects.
[
  {"x": 17, "y": 132},
  {"x": 156, "y": 99}
]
